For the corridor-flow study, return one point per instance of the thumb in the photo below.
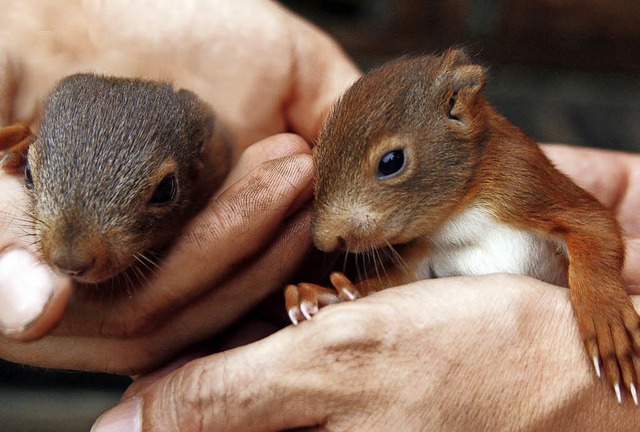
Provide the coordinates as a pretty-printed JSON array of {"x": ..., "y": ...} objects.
[
  {"x": 241, "y": 389},
  {"x": 32, "y": 297}
]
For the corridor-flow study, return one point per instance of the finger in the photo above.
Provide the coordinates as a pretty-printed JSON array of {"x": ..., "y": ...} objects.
[
  {"x": 207, "y": 315},
  {"x": 231, "y": 230},
  {"x": 632, "y": 266},
  {"x": 225, "y": 392},
  {"x": 322, "y": 73},
  {"x": 608, "y": 175},
  {"x": 243, "y": 333},
  {"x": 265, "y": 150},
  {"x": 32, "y": 297},
  {"x": 614, "y": 179}
]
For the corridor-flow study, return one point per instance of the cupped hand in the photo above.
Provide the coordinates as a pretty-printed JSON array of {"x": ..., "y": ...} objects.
[
  {"x": 497, "y": 352},
  {"x": 264, "y": 71},
  {"x": 241, "y": 247}
]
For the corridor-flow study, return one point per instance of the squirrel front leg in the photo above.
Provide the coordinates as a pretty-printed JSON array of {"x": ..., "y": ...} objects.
[
  {"x": 608, "y": 323},
  {"x": 304, "y": 300}
]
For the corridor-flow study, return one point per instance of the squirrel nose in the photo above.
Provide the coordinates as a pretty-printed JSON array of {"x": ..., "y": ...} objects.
[{"x": 73, "y": 263}]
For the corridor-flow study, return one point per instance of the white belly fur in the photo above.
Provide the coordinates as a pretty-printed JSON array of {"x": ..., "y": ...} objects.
[{"x": 475, "y": 243}]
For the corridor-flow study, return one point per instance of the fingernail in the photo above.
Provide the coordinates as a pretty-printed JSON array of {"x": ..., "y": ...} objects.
[
  {"x": 25, "y": 288},
  {"x": 124, "y": 417}
]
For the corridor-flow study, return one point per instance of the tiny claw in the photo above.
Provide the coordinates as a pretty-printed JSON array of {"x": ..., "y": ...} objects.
[
  {"x": 308, "y": 310},
  {"x": 616, "y": 387},
  {"x": 596, "y": 364},
  {"x": 634, "y": 393},
  {"x": 348, "y": 294},
  {"x": 292, "y": 315}
]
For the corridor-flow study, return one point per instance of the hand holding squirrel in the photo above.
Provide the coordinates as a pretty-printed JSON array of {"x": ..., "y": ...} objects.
[
  {"x": 416, "y": 167},
  {"x": 253, "y": 218}
]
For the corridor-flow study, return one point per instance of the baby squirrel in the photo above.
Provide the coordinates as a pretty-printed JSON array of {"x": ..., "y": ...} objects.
[
  {"x": 117, "y": 167},
  {"x": 413, "y": 156}
]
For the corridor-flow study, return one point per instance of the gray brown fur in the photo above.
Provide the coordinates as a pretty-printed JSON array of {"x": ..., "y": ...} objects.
[{"x": 96, "y": 159}]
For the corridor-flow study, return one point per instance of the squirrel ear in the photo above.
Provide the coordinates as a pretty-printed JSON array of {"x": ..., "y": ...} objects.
[
  {"x": 464, "y": 82},
  {"x": 456, "y": 56},
  {"x": 200, "y": 114}
]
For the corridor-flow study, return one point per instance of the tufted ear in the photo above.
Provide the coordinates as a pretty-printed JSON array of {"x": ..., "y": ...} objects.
[
  {"x": 200, "y": 116},
  {"x": 463, "y": 81},
  {"x": 455, "y": 57}
]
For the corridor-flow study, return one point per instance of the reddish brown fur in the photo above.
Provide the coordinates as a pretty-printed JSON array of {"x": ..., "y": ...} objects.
[
  {"x": 14, "y": 144},
  {"x": 471, "y": 155}
]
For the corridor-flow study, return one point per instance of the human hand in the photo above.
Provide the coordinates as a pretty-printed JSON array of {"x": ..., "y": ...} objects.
[
  {"x": 614, "y": 179},
  {"x": 497, "y": 352},
  {"x": 264, "y": 71},
  {"x": 242, "y": 245}
]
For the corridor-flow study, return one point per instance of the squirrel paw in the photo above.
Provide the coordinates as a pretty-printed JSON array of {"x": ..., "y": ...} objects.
[
  {"x": 612, "y": 338},
  {"x": 304, "y": 300}
]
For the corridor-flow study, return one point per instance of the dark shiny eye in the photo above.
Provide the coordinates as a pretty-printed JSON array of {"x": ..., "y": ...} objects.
[
  {"x": 391, "y": 163},
  {"x": 165, "y": 191},
  {"x": 28, "y": 177}
]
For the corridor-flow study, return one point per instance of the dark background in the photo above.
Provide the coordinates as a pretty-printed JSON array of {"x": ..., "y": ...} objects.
[{"x": 563, "y": 70}]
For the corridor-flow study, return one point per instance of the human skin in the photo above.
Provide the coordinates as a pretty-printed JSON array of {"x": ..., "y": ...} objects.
[
  {"x": 325, "y": 370},
  {"x": 497, "y": 352},
  {"x": 264, "y": 71}
]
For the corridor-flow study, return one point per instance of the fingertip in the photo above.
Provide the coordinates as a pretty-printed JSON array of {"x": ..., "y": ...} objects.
[
  {"x": 268, "y": 149},
  {"x": 32, "y": 296},
  {"x": 124, "y": 417}
]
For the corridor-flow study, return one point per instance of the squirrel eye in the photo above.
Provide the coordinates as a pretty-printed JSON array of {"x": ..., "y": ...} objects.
[
  {"x": 391, "y": 163},
  {"x": 165, "y": 191},
  {"x": 28, "y": 177}
]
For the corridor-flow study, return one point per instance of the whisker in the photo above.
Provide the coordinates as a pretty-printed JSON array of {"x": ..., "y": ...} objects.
[
  {"x": 129, "y": 284},
  {"x": 399, "y": 262},
  {"x": 344, "y": 262},
  {"x": 377, "y": 262},
  {"x": 144, "y": 261},
  {"x": 358, "y": 272}
]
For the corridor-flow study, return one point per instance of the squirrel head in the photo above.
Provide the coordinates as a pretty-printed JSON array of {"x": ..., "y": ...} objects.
[
  {"x": 112, "y": 170},
  {"x": 404, "y": 140}
]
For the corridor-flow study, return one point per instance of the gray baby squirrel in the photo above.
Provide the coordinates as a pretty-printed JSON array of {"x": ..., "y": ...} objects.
[{"x": 117, "y": 167}]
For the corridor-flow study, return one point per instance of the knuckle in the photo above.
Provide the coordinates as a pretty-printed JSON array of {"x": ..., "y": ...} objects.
[
  {"x": 347, "y": 330},
  {"x": 189, "y": 398}
]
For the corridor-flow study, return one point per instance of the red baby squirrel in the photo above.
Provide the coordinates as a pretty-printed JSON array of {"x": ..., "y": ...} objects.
[
  {"x": 414, "y": 156},
  {"x": 117, "y": 167}
]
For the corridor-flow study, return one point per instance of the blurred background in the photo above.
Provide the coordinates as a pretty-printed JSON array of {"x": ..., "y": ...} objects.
[{"x": 563, "y": 70}]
